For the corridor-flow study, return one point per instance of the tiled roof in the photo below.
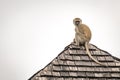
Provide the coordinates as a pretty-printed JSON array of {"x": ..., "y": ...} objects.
[{"x": 74, "y": 64}]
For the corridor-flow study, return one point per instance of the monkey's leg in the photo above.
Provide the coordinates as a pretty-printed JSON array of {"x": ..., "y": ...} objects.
[{"x": 76, "y": 40}]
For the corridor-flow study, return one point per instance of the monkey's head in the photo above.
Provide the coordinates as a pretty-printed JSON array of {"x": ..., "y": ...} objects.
[{"x": 77, "y": 21}]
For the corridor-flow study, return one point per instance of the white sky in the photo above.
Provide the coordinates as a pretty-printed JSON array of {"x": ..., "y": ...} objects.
[{"x": 34, "y": 32}]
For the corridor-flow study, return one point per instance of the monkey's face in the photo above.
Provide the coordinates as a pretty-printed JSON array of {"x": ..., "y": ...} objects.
[{"x": 77, "y": 21}]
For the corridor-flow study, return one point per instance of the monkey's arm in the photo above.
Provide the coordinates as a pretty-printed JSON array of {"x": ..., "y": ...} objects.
[{"x": 86, "y": 32}]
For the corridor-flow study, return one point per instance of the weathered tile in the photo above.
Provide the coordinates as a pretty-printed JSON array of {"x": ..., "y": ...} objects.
[
  {"x": 55, "y": 61},
  {"x": 80, "y": 52},
  {"x": 115, "y": 69},
  {"x": 48, "y": 68},
  {"x": 80, "y": 78},
  {"x": 51, "y": 78},
  {"x": 74, "y": 74},
  {"x": 70, "y": 62},
  {"x": 60, "y": 79},
  {"x": 98, "y": 75},
  {"x": 61, "y": 56},
  {"x": 96, "y": 53},
  {"x": 81, "y": 74},
  {"x": 106, "y": 75},
  {"x": 68, "y": 57},
  {"x": 117, "y": 63},
  {"x": 62, "y": 62},
  {"x": 77, "y": 62},
  {"x": 65, "y": 68},
  {"x": 73, "y": 68},
  {"x": 46, "y": 73},
  {"x": 76, "y": 58},
  {"x": 101, "y": 58},
  {"x": 96, "y": 79},
  {"x": 82, "y": 68},
  {"x": 68, "y": 78},
  {"x": 109, "y": 58},
  {"x": 42, "y": 78},
  {"x": 111, "y": 63},
  {"x": 90, "y": 69},
  {"x": 97, "y": 69},
  {"x": 107, "y": 69},
  {"x": 84, "y": 63},
  {"x": 72, "y": 52},
  {"x": 86, "y": 58},
  {"x": 66, "y": 52},
  {"x": 104, "y": 53},
  {"x": 115, "y": 75},
  {"x": 58, "y": 68},
  {"x": 64, "y": 74},
  {"x": 90, "y": 74},
  {"x": 56, "y": 73}
]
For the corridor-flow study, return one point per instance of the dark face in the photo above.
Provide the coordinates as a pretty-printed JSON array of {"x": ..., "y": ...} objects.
[{"x": 77, "y": 23}]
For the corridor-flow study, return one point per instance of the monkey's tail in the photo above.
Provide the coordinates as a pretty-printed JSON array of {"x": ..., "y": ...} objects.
[{"x": 89, "y": 54}]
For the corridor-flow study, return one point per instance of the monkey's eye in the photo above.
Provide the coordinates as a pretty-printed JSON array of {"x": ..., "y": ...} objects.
[{"x": 77, "y": 22}]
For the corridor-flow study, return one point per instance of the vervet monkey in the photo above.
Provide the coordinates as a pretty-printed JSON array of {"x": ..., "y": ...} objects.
[{"x": 83, "y": 36}]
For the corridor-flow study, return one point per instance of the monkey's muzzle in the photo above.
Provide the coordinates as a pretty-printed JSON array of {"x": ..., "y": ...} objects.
[{"x": 77, "y": 22}]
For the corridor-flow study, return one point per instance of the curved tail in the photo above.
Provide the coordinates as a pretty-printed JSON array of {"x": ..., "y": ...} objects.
[{"x": 89, "y": 54}]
